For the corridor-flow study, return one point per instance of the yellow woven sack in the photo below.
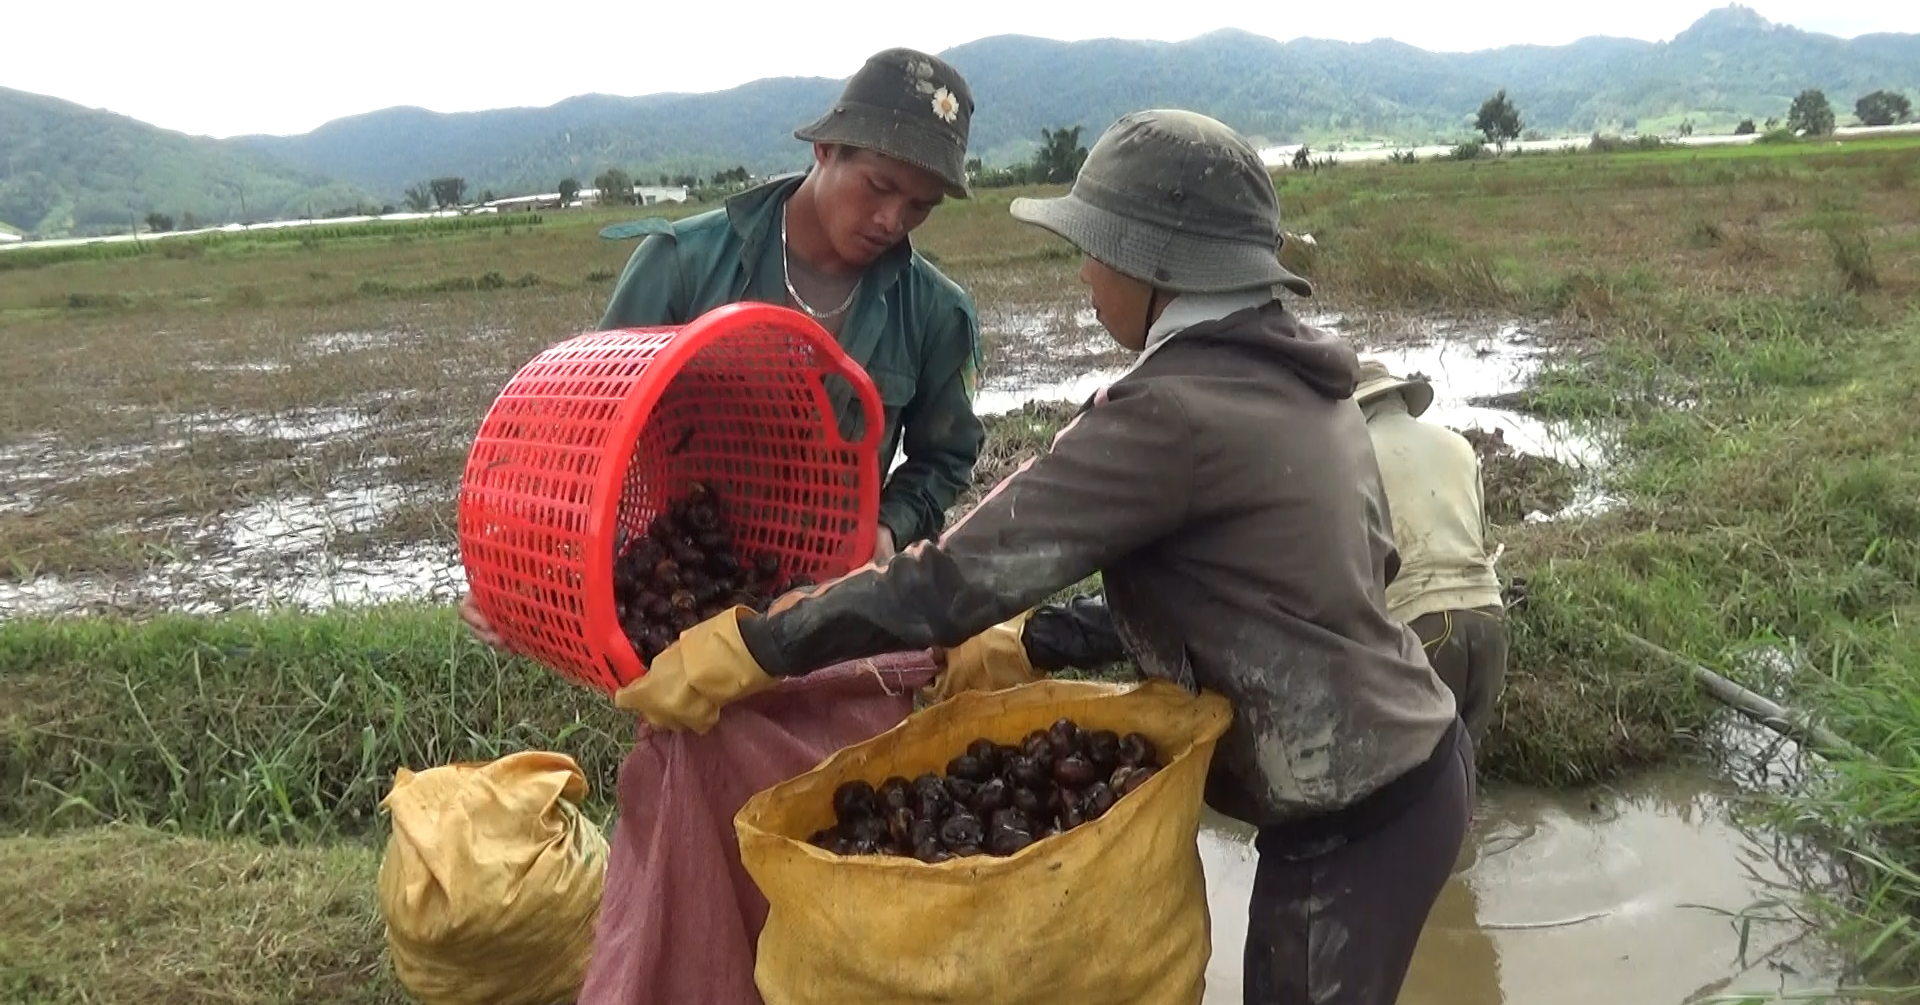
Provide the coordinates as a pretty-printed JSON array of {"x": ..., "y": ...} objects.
[
  {"x": 491, "y": 882},
  {"x": 1114, "y": 910}
]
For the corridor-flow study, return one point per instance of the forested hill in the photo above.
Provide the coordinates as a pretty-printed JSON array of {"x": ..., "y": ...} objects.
[
  {"x": 1731, "y": 64},
  {"x": 71, "y": 168}
]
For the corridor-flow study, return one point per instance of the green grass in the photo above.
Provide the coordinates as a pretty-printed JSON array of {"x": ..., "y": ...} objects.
[
  {"x": 128, "y": 915},
  {"x": 281, "y": 726}
]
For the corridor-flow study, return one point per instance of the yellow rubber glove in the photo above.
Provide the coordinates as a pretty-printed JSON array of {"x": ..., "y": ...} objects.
[
  {"x": 991, "y": 660},
  {"x": 705, "y": 668}
]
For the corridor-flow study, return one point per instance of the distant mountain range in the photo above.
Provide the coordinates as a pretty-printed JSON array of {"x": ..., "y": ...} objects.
[{"x": 70, "y": 169}]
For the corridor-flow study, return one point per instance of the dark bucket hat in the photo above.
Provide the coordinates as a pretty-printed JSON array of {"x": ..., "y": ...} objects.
[
  {"x": 909, "y": 106},
  {"x": 1175, "y": 199}
]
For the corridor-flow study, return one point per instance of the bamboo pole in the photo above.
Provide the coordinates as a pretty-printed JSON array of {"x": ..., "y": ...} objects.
[{"x": 1757, "y": 707}]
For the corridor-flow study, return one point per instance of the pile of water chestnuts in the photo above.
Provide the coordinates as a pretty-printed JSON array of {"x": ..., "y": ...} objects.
[
  {"x": 688, "y": 568},
  {"x": 994, "y": 799}
]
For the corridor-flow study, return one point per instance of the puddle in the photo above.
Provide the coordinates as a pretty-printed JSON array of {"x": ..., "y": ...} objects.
[
  {"x": 332, "y": 342},
  {"x": 45, "y": 461},
  {"x": 296, "y": 425},
  {"x": 274, "y": 552},
  {"x": 1078, "y": 389},
  {"x": 269, "y": 366},
  {"x": 1044, "y": 352},
  {"x": 1464, "y": 367},
  {"x": 313, "y": 580},
  {"x": 1467, "y": 368},
  {"x": 293, "y": 524},
  {"x": 1574, "y": 898}
]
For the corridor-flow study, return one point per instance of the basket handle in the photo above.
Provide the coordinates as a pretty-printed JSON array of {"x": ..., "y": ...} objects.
[{"x": 864, "y": 389}]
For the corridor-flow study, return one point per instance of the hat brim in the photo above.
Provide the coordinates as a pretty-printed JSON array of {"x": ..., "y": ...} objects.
[
  {"x": 891, "y": 135},
  {"x": 1418, "y": 394},
  {"x": 1163, "y": 257}
]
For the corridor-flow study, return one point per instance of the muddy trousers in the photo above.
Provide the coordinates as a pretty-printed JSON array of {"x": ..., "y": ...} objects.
[
  {"x": 1334, "y": 918},
  {"x": 1468, "y": 649}
]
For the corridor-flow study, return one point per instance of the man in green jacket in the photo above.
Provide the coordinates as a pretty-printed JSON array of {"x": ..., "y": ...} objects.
[{"x": 833, "y": 244}]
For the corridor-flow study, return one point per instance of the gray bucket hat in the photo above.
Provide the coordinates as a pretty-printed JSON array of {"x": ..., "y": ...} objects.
[
  {"x": 1175, "y": 199},
  {"x": 909, "y": 106}
]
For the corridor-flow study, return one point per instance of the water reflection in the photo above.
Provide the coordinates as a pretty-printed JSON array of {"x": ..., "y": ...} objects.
[{"x": 1605, "y": 896}]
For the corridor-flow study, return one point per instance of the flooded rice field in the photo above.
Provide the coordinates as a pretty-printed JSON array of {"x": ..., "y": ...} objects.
[{"x": 324, "y": 503}]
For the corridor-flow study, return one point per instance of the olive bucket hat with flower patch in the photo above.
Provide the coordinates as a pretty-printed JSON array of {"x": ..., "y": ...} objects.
[
  {"x": 1174, "y": 199},
  {"x": 909, "y": 106}
]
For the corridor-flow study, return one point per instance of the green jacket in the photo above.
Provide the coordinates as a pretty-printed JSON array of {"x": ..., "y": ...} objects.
[{"x": 910, "y": 327}]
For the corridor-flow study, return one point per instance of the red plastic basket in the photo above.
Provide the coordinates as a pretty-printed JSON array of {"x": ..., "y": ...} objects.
[{"x": 594, "y": 437}]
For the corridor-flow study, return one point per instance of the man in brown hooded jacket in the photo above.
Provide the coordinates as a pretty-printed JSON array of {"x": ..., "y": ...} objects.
[{"x": 1226, "y": 489}]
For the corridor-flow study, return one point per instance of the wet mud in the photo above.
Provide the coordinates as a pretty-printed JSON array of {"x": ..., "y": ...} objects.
[{"x": 366, "y": 528}]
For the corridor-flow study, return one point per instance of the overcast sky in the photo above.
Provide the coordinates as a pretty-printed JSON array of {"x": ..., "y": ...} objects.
[{"x": 224, "y": 68}]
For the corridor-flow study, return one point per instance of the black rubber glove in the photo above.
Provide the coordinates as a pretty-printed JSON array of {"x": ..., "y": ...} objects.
[{"x": 1077, "y": 634}]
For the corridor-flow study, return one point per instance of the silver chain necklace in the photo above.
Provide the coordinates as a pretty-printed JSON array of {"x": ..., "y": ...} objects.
[{"x": 786, "y": 257}]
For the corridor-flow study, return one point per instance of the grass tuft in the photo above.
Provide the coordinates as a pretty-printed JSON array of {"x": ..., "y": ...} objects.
[{"x": 281, "y": 726}]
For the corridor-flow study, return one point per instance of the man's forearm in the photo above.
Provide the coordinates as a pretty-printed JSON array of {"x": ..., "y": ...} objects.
[{"x": 915, "y": 501}]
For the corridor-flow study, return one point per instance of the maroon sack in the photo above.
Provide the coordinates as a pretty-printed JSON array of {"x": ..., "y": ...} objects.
[{"x": 680, "y": 917}]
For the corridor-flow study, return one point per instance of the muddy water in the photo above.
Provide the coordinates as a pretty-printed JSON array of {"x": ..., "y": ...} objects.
[
  {"x": 1591, "y": 898},
  {"x": 1465, "y": 367}
]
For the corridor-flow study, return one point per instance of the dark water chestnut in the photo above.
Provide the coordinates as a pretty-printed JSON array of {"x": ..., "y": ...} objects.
[{"x": 993, "y": 799}]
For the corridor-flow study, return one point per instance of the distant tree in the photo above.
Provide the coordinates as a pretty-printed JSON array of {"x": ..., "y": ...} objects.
[
  {"x": 1686, "y": 127},
  {"x": 1499, "y": 120},
  {"x": 615, "y": 187},
  {"x": 188, "y": 221},
  {"x": 388, "y": 209},
  {"x": 665, "y": 179},
  {"x": 419, "y": 198},
  {"x": 735, "y": 175},
  {"x": 448, "y": 191},
  {"x": 1811, "y": 114},
  {"x": 1303, "y": 158},
  {"x": 974, "y": 166},
  {"x": 159, "y": 223},
  {"x": 1883, "y": 108},
  {"x": 1060, "y": 155},
  {"x": 687, "y": 180},
  {"x": 569, "y": 188},
  {"x": 1745, "y": 128},
  {"x": 1773, "y": 122},
  {"x": 486, "y": 196}
]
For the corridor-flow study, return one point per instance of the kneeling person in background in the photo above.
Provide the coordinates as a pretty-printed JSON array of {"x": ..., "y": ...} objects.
[{"x": 1447, "y": 590}]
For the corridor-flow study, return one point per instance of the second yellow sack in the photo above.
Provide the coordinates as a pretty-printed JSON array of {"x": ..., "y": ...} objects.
[
  {"x": 491, "y": 883},
  {"x": 1112, "y": 911}
]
